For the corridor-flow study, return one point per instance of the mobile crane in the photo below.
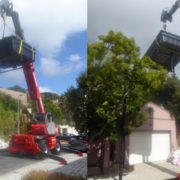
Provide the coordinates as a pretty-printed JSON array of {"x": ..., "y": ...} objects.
[
  {"x": 42, "y": 136},
  {"x": 167, "y": 15}
]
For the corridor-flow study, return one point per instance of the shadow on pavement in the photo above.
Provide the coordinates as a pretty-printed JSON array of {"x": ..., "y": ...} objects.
[
  {"x": 163, "y": 169},
  {"x": 111, "y": 175},
  {"x": 10, "y": 163},
  {"x": 75, "y": 168}
]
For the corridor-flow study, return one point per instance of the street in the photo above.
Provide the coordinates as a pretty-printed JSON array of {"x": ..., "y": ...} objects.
[{"x": 14, "y": 168}]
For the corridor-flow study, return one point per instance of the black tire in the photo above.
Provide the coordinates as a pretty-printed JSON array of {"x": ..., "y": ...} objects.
[
  {"x": 43, "y": 146},
  {"x": 57, "y": 150}
]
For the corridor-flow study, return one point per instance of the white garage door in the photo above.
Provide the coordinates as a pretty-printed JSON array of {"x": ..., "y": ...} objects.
[{"x": 148, "y": 146}]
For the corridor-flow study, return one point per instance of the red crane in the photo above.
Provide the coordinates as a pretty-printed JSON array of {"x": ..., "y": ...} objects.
[
  {"x": 167, "y": 15},
  {"x": 6, "y": 8},
  {"x": 42, "y": 136}
]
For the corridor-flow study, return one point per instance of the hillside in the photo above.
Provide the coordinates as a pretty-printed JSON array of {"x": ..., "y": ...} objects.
[
  {"x": 8, "y": 115},
  {"x": 49, "y": 95},
  {"x": 17, "y": 88},
  {"x": 16, "y": 95}
]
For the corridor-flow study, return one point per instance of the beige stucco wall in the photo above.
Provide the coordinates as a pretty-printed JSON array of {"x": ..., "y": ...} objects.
[{"x": 159, "y": 119}]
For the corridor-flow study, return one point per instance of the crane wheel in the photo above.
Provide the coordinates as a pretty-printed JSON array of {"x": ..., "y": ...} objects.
[
  {"x": 43, "y": 146},
  {"x": 57, "y": 150}
]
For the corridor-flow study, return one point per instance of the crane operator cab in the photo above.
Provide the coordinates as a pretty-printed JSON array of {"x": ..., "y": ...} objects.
[
  {"x": 42, "y": 124},
  {"x": 50, "y": 125},
  {"x": 41, "y": 136}
]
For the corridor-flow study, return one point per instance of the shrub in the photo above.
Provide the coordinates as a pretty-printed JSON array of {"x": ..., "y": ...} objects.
[{"x": 45, "y": 175}]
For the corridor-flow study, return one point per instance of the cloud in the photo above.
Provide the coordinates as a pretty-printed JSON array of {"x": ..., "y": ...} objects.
[
  {"x": 74, "y": 57},
  {"x": 51, "y": 67},
  {"x": 45, "y": 89},
  {"x": 139, "y": 19},
  {"x": 47, "y": 24}
]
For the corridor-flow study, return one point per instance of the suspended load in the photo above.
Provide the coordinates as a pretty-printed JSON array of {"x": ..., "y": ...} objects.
[
  {"x": 165, "y": 50},
  {"x": 14, "y": 52}
]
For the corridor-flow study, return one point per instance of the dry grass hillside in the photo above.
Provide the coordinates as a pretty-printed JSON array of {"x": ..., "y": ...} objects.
[{"x": 16, "y": 95}]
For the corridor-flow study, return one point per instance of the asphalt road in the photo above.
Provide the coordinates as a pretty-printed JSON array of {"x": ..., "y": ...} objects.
[{"x": 14, "y": 168}]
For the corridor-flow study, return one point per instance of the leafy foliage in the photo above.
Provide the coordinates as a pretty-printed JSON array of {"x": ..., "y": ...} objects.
[
  {"x": 169, "y": 96},
  {"x": 51, "y": 104},
  {"x": 8, "y": 114},
  {"x": 49, "y": 95},
  {"x": 74, "y": 104},
  {"x": 118, "y": 79},
  {"x": 52, "y": 107}
]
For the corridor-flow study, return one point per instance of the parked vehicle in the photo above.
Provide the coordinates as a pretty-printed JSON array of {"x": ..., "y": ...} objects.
[{"x": 79, "y": 143}]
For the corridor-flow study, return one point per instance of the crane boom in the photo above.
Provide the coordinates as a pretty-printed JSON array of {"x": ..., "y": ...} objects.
[
  {"x": 6, "y": 8},
  {"x": 167, "y": 15}
]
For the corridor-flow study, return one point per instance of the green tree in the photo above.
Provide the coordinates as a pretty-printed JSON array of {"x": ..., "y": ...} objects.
[
  {"x": 119, "y": 83},
  {"x": 169, "y": 96},
  {"x": 8, "y": 115},
  {"x": 52, "y": 107},
  {"x": 74, "y": 104}
]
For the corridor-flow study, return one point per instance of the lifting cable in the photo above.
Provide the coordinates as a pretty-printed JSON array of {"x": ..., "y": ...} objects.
[
  {"x": 3, "y": 15},
  {"x": 21, "y": 44},
  {"x": 4, "y": 28},
  {"x": 9, "y": 70}
]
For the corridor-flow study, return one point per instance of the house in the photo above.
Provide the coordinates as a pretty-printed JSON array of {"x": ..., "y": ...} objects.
[{"x": 155, "y": 139}]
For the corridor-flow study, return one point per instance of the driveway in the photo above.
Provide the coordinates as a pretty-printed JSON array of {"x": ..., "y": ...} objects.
[
  {"x": 147, "y": 171},
  {"x": 14, "y": 168}
]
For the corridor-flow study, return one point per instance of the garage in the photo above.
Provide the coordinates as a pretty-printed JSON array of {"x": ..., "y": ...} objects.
[{"x": 148, "y": 146}]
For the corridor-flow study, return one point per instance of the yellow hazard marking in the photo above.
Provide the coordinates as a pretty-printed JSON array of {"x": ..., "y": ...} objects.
[
  {"x": 33, "y": 53},
  {"x": 20, "y": 47}
]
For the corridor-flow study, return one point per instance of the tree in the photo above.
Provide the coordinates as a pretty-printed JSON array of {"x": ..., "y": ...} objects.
[
  {"x": 119, "y": 83},
  {"x": 74, "y": 104},
  {"x": 52, "y": 107},
  {"x": 169, "y": 96},
  {"x": 51, "y": 104},
  {"x": 8, "y": 115}
]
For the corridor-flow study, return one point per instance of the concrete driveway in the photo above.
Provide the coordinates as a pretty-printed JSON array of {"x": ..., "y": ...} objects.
[
  {"x": 14, "y": 168},
  {"x": 147, "y": 171}
]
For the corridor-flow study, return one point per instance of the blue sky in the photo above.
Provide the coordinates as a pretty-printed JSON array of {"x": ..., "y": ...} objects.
[
  {"x": 57, "y": 29},
  {"x": 75, "y": 46}
]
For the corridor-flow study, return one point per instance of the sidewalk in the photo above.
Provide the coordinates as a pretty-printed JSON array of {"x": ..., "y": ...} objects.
[
  {"x": 76, "y": 168},
  {"x": 146, "y": 171}
]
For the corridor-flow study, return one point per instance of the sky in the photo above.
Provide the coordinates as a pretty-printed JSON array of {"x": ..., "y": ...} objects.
[
  {"x": 57, "y": 29},
  {"x": 139, "y": 19}
]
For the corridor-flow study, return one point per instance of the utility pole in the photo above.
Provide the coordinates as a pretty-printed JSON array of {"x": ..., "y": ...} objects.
[
  {"x": 18, "y": 130},
  {"x": 122, "y": 134}
]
